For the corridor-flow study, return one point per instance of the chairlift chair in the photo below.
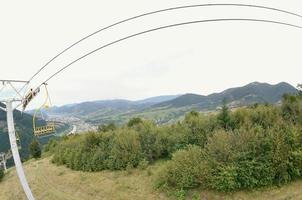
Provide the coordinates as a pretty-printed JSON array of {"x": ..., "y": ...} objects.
[{"x": 49, "y": 128}]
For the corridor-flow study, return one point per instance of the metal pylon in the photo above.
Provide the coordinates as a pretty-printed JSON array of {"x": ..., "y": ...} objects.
[{"x": 16, "y": 98}]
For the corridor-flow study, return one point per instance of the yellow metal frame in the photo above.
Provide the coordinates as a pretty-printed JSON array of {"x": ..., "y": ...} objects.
[{"x": 50, "y": 127}]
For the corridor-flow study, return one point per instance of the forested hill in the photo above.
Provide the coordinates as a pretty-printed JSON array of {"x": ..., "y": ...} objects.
[
  {"x": 166, "y": 109},
  {"x": 115, "y": 105},
  {"x": 252, "y": 93},
  {"x": 24, "y": 129}
]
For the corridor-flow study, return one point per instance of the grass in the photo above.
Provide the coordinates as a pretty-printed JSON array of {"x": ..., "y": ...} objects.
[{"x": 50, "y": 182}]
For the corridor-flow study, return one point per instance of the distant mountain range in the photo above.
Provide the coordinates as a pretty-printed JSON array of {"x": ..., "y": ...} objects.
[
  {"x": 108, "y": 106},
  {"x": 165, "y": 109},
  {"x": 249, "y": 94}
]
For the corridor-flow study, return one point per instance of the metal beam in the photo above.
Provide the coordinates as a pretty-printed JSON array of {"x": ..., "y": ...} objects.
[{"x": 13, "y": 81}]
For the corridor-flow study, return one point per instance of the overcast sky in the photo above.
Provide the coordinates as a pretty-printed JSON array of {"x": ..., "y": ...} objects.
[{"x": 199, "y": 58}]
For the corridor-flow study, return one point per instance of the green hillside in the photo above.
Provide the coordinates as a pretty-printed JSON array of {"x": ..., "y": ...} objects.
[
  {"x": 24, "y": 129},
  {"x": 249, "y": 94},
  {"x": 249, "y": 153}
]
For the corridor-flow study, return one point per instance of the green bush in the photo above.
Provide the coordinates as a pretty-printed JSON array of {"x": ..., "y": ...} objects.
[
  {"x": 107, "y": 127},
  {"x": 134, "y": 121},
  {"x": 224, "y": 117},
  {"x": 126, "y": 149},
  {"x": 148, "y": 135},
  {"x": 256, "y": 146},
  {"x": 198, "y": 128},
  {"x": 51, "y": 145},
  {"x": 185, "y": 170},
  {"x": 35, "y": 149},
  {"x": 292, "y": 108},
  {"x": 223, "y": 178}
]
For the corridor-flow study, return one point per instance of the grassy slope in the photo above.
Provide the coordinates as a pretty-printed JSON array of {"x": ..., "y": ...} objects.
[{"x": 50, "y": 182}]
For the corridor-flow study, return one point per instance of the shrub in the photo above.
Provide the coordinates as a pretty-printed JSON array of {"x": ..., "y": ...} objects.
[
  {"x": 185, "y": 170},
  {"x": 88, "y": 152},
  {"x": 35, "y": 149},
  {"x": 292, "y": 108},
  {"x": 251, "y": 147},
  {"x": 126, "y": 149},
  {"x": 50, "y": 146},
  {"x": 223, "y": 178},
  {"x": 107, "y": 127},
  {"x": 198, "y": 128},
  {"x": 224, "y": 118},
  {"x": 134, "y": 121},
  {"x": 296, "y": 160},
  {"x": 148, "y": 134}
]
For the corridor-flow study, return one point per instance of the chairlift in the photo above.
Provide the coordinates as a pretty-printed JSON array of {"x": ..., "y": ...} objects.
[
  {"x": 49, "y": 128},
  {"x": 29, "y": 97}
]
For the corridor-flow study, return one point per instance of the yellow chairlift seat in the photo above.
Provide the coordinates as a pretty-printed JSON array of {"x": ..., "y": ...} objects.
[{"x": 47, "y": 129}]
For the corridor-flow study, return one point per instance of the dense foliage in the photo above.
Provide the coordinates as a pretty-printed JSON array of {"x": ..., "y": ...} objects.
[
  {"x": 35, "y": 149},
  {"x": 250, "y": 147}
]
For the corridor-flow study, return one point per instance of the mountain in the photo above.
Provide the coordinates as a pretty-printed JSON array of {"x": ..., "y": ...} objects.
[
  {"x": 107, "y": 107},
  {"x": 164, "y": 109},
  {"x": 240, "y": 96},
  {"x": 89, "y": 107},
  {"x": 184, "y": 100},
  {"x": 157, "y": 99}
]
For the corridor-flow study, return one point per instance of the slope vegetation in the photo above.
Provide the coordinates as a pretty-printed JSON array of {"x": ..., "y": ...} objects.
[{"x": 50, "y": 182}]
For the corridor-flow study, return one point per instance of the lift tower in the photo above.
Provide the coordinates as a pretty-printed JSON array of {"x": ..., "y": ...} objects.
[{"x": 15, "y": 98}]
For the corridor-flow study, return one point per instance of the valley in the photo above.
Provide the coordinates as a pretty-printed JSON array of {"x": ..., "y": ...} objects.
[{"x": 170, "y": 108}]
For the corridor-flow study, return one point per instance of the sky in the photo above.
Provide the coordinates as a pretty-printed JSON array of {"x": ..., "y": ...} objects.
[{"x": 200, "y": 58}]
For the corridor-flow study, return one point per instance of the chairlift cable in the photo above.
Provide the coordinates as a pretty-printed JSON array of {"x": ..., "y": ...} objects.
[
  {"x": 156, "y": 12},
  {"x": 165, "y": 27}
]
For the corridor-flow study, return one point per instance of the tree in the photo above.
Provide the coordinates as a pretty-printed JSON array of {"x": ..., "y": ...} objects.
[
  {"x": 107, "y": 127},
  {"x": 35, "y": 149},
  {"x": 134, "y": 121},
  {"x": 224, "y": 118}
]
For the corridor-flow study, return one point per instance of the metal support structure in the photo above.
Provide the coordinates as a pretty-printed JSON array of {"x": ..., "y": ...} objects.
[
  {"x": 15, "y": 151},
  {"x": 12, "y": 133}
]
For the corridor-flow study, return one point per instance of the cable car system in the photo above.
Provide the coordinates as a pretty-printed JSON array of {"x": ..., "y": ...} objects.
[{"x": 49, "y": 128}]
